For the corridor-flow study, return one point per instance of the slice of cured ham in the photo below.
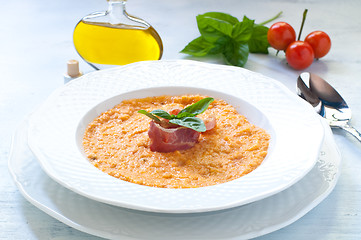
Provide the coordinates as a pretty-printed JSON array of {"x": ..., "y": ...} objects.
[
  {"x": 210, "y": 123},
  {"x": 171, "y": 139}
]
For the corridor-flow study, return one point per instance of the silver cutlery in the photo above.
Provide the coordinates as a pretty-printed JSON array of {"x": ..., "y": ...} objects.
[{"x": 326, "y": 101}]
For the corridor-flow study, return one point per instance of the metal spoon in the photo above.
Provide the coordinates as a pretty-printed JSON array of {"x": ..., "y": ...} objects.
[{"x": 326, "y": 101}]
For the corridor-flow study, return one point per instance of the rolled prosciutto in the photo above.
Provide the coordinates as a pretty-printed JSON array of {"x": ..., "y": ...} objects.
[
  {"x": 171, "y": 139},
  {"x": 210, "y": 123}
]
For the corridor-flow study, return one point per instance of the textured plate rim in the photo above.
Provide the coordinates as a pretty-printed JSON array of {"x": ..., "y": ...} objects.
[
  {"x": 182, "y": 209},
  {"x": 37, "y": 200}
]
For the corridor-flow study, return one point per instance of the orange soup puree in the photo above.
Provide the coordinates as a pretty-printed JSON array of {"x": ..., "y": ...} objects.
[{"x": 117, "y": 143}]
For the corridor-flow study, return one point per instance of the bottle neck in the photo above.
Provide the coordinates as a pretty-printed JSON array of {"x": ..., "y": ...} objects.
[
  {"x": 117, "y": 11},
  {"x": 116, "y": 5},
  {"x": 118, "y": 15}
]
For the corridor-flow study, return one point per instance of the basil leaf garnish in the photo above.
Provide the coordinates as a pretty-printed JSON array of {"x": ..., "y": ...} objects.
[
  {"x": 198, "y": 107},
  {"x": 149, "y": 115},
  {"x": 194, "y": 123},
  {"x": 186, "y": 117},
  {"x": 162, "y": 114}
]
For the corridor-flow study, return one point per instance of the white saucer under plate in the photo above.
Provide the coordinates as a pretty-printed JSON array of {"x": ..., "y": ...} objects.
[
  {"x": 53, "y": 127},
  {"x": 103, "y": 220}
]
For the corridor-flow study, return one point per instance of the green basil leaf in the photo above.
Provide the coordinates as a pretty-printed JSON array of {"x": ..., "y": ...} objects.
[
  {"x": 212, "y": 29},
  {"x": 184, "y": 114},
  {"x": 194, "y": 123},
  {"x": 161, "y": 113},
  {"x": 149, "y": 115},
  {"x": 222, "y": 16},
  {"x": 258, "y": 42},
  {"x": 200, "y": 47},
  {"x": 242, "y": 31},
  {"x": 196, "y": 108},
  {"x": 219, "y": 45},
  {"x": 223, "y": 33},
  {"x": 236, "y": 53}
]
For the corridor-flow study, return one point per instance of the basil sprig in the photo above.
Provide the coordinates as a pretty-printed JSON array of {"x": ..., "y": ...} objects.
[
  {"x": 186, "y": 117},
  {"x": 224, "y": 34}
]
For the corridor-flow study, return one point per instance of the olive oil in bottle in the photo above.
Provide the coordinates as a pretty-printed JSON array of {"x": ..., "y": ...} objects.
[{"x": 116, "y": 38}]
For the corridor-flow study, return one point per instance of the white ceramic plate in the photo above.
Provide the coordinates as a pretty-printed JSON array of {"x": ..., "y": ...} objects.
[
  {"x": 53, "y": 126},
  {"x": 249, "y": 221}
]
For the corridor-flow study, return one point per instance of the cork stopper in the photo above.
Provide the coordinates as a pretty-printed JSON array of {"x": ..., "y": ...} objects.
[{"x": 73, "y": 68}]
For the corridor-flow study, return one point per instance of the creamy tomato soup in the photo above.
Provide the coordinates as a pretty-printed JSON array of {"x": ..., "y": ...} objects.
[{"x": 117, "y": 143}]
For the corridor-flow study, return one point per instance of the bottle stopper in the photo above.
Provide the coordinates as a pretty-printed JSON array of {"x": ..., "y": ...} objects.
[{"x": 72, "y": 70}]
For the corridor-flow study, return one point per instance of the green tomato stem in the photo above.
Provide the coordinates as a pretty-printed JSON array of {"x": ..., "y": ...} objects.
[
  {"x": 303, "y": 22},
  {"x": 271, "y": 19}
]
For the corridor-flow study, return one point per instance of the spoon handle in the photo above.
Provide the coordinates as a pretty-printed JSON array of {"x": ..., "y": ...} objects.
[{"x": 352, "y": 130}]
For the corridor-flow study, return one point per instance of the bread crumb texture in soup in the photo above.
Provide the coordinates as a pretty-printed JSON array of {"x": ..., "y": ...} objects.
[{"x": 117, "y": 143}]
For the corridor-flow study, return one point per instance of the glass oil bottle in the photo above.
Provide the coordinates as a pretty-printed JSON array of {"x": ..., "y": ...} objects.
[{"x": 111, "y": 38}]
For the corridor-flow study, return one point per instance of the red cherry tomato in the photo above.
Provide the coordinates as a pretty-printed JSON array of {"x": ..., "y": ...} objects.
[
  {"x": 280, "y": 35},
  {"x": 299, "y": 55},
  {"x": 320, "y": 43}
]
